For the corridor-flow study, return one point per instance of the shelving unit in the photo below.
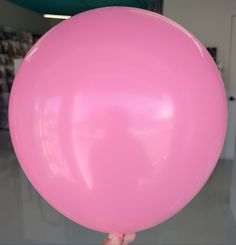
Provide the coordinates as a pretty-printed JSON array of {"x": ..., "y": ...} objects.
[{"x": 13, "y": 45}]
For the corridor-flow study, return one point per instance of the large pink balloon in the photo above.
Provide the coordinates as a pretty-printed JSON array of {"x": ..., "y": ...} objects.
[{"x": 118, "y": 116}]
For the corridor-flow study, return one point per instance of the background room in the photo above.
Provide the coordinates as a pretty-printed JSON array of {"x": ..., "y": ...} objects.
[{"x": 26, "y": 218}]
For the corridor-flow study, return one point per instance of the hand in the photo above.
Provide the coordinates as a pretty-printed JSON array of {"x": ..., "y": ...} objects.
[{"x": 113, "y": 239}]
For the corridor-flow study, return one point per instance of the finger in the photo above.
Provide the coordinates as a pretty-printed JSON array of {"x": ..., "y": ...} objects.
[
  {"x": 112, "y": 239},
  {"x": 128, "y": 238}
]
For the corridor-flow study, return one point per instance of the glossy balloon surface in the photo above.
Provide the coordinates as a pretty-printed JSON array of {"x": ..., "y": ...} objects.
[{"x": 118, "y": 117}]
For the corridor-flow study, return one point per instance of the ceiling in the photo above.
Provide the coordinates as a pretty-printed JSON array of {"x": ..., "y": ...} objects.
[{"x": 71, "y": 7}]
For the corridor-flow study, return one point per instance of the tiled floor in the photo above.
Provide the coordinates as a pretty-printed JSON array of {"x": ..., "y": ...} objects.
[{"x": 25, "y": 218}]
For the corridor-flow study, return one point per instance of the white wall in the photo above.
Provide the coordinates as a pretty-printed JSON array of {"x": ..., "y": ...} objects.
[
  {"x": 208, "y": 20},
  {"x": 21, "y": 18},
  {"x": 233, "y": 191}
]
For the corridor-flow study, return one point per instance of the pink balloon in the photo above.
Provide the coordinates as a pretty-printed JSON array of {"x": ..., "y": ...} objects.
[{"x": 118, "y": 116}]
